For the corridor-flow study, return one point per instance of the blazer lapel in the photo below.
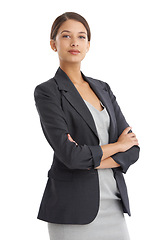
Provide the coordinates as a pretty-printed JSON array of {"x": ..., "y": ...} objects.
[
  {"x": 102, "y": 93},
  {"x": 70, "y": 92}
]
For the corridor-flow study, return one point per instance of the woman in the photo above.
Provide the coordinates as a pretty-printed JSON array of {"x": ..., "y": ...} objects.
[{"x": 85, "y": 195}]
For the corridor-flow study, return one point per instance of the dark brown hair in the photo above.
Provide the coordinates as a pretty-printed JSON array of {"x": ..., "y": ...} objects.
[{"x": 65, "y": 16}]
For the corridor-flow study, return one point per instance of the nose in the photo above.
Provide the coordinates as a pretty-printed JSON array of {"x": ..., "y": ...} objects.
[{"x": 74, "y": 43}]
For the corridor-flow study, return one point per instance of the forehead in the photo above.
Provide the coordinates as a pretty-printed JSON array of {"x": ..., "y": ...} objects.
[{"x": 72, "y": 26}]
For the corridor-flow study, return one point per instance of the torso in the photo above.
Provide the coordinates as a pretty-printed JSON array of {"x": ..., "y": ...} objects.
[{"x": 88, "y": 94}]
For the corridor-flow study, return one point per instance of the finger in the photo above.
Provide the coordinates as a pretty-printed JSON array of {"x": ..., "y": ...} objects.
[
  {"x": 69, "y": 137},
  {"x": 127, "y": 130},
  {"x": 132, "y": 134},
  {"x": 74, "y": 142},
  {"x": 136, "y": 143}
]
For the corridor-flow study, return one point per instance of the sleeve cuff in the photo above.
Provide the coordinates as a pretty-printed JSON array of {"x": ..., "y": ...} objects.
[
  {"x": 96, "y": 154},
  {"x": 118, "y": 159}
]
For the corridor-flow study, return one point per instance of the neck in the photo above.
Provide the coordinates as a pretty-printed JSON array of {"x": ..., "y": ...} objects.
[{"x": 73, "y": 72}]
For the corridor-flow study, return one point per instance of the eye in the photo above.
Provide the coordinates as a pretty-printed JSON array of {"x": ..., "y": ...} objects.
[
  {"x": 66, "y": 36},
  {"x": 82, "y": 37}
]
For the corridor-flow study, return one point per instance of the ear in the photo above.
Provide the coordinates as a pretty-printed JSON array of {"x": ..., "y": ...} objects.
[
  {"x": 88, "y": 46},
  {"x": 53, "y": 45}
]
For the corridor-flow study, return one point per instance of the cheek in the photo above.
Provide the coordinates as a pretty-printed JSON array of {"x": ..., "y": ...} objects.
[
  {"x": 83, "y": 54},
  {"x": 85, "y": 48},
  {"x": 60, "y": 46},
  {"x": 84, "y": 51}
]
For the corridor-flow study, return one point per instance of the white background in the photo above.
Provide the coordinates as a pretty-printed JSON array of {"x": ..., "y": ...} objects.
[{"x": 125, "y": 52}]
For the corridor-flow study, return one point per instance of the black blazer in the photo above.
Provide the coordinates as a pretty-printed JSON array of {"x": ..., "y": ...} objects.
[{"x": 71, "y": 195}]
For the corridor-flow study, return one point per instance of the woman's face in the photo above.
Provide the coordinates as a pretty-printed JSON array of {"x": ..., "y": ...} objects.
[{"x": 71, "y": 42}]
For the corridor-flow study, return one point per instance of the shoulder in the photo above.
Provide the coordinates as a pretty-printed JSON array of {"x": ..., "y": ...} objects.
[
  {"x": 99, "y": 82},
  {"x": 49, "y": 84},
  {"x": 47, "y": 91},
  {"x": 47, "y": 87}
]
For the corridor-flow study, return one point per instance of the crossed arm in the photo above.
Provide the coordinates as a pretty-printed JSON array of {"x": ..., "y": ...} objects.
[
  {"x": 53, "y": 122},
  {"x": 125, "y": 141}
]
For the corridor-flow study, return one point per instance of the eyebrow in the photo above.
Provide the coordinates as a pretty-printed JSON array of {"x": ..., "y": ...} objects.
[{"x": 70, "y": 32}]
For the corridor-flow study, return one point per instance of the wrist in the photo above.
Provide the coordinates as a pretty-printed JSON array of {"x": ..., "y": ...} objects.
[
  {"x": 119, "y": 147},
  {"x": 110, "y": 149}
]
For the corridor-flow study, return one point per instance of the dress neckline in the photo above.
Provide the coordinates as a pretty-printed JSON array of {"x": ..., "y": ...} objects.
[{"x": 96, "y": 108}]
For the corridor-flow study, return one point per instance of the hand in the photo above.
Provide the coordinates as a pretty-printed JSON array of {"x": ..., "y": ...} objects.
[
  {"x": 70, "y": 139},
  {"x": 127, "y": 140}
]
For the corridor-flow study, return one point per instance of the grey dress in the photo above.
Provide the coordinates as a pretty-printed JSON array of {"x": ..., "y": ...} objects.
[{"x": 109, "y": 223}]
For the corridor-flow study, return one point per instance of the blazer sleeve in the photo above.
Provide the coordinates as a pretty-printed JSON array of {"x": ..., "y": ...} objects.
[
  {"x": 129, "y": 157},
  {"x": 54, "y": 125}
]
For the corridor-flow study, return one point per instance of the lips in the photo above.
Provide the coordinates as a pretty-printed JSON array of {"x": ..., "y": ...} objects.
[{"x": 74, "y": 51}]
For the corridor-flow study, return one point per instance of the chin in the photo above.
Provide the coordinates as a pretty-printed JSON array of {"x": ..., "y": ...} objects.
[{"x": 73, "y": 60}]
